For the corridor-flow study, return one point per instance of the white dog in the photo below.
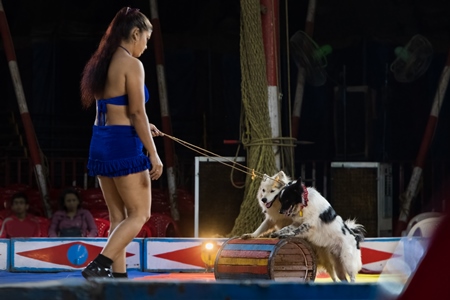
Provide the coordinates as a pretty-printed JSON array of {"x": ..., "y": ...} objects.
[
  {"x": 316, "y": 221},
  {"x": 268, "y": 198}
]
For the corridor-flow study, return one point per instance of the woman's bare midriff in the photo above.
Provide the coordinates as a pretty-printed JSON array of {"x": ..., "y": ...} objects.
[{"x": 116, "y": 115}]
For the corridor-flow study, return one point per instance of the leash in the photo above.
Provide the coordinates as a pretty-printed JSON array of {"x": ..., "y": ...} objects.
[{"x": 228, "y": 162}]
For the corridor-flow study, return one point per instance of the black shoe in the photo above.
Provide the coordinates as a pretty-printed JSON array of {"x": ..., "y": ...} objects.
[{"x": 94, "y": 269}]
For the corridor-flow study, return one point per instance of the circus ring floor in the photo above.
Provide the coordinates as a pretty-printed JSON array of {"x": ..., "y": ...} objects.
[
  {"x": 142, "y": 285},
  {"x": 155, "y": 276}
]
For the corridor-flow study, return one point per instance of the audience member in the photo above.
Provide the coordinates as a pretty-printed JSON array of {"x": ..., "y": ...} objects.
[
  {"x": 72, "y": 220},
  {"x": 20, "y": 223}
]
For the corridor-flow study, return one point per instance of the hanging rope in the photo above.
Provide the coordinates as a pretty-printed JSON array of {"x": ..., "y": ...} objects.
[
  {"x": 256, "y": 134},
  {"x": 255, "y": 128}
]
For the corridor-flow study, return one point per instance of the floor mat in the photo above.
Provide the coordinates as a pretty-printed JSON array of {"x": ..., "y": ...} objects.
[{"x": 12, "y": 277}]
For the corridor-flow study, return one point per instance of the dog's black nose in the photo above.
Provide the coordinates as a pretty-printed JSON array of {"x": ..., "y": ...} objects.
[{"x": 264, "y": 200}]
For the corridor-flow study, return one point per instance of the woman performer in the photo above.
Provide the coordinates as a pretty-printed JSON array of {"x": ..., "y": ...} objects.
[{"x": 114, "y": 79}]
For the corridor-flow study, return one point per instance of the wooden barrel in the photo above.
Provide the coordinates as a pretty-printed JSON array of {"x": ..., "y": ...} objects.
[{"x": 290, "y": 259}]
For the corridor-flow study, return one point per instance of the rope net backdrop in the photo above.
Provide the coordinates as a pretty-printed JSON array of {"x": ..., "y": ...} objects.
[{"x": 255, "y": 122}]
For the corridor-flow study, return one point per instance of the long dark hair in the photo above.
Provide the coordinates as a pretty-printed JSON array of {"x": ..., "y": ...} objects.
[{"x": 94, "y": 75}]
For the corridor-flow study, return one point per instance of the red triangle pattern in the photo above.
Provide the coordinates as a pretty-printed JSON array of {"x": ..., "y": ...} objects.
[
  {"x": 58, "y": 254},
  {"x": 371, "y": 255},
  {"x": 190, "y": 256}
]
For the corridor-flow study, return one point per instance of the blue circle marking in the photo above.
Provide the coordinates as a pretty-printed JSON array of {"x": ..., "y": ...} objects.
[{"x": 77, "y": 254}]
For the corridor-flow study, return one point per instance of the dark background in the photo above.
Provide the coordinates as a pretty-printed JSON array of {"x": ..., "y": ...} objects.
[{"x": 53, "y": 39}]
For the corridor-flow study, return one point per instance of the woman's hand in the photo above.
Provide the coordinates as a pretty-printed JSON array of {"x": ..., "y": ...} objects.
[
  {"x": 157, "y": 167},
  {"x": 155, "y": 131}
]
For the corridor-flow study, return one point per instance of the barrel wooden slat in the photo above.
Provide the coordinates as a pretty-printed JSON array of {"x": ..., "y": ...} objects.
[
  {"x": 259, "y": 241},
  {"x": 291, "y": 258},
  {"x": 292, "y": 276},
  {"x": 238, "y": 253},
  {"x": 250, "y": 247},
  {"x": 242, "y": 261},
  {"x": 291, "y": 268},
  {"x": 276, "y": 259},
  {"x": 243, "y": 269},
  {"x": 243, "y": 276}
]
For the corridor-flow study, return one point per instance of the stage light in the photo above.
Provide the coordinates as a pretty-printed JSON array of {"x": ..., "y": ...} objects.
[{"x": 209, "y": 253}]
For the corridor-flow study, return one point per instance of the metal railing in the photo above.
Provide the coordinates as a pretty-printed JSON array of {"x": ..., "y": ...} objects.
[
  {"x": 60, "y": 172},
  {"x": 433, "y": 192}
]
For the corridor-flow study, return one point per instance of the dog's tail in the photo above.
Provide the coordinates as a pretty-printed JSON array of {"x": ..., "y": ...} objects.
[{"x": 357, "y": 229}]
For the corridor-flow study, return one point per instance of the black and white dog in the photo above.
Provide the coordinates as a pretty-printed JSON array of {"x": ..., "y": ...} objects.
[
  {"x": 268, "y": 199},
  {"x": 315, "y": 220}
]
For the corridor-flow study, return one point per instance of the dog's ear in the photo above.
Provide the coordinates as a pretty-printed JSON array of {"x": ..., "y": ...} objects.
[
  {"x": 299, "y": 183},
  {"x": 265, "y": 176},
  {"x": 282, "y": 176},
  {"x": 277, "y": 181}
]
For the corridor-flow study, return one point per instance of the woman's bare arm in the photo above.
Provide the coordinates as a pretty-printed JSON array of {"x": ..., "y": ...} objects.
[{"x": 138, "y": 116}]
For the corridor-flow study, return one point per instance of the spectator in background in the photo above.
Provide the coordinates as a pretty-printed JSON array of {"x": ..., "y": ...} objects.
[
  {"x": 72, "y": 220},
  {"x": 20, "y": 223}
]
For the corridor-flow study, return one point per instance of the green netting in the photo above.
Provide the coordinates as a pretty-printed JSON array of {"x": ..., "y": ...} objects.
[{"x": 256, "y": 131}]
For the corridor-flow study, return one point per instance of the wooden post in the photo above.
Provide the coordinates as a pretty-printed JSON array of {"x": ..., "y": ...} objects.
[
  {"x": 269, "y": 19},
  {"x": 23, "y": 108},
  {"x": 165, "y": 115}
]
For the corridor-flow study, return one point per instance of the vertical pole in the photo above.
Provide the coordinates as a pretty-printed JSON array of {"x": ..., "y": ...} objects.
[
  {"x": 424, "y": 147},
  {"x": 165, "y": 116},
  {"x": 269, "y": 19},
  {"x": 23, "y": 108},
  {"x": 309, "y": 29}
]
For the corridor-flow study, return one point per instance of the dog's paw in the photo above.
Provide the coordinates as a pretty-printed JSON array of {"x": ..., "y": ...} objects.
[
  {"x": 284, "y": 236},
  {"x": 264, "y": 235},
  {"x": 304, "y": 227},
  {"x": 246, "y": 236},
  {"x": 274, "y": 234}
]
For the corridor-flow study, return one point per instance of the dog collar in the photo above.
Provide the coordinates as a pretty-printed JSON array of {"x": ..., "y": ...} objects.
[
  {"x": 305, "y": 194},
  {"x": 305, "y": 198}
]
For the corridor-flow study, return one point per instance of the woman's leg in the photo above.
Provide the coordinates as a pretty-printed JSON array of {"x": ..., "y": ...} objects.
[
  {"x": 117, "y": 214},
  {"x": 135, "y": 191}
]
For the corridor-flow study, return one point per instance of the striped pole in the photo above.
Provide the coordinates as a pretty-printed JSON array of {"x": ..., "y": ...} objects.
[
  {"x": 411, "y": 190},
  {"x": 165, "y": 116},
  {"x": 269, "y": 19},
  {"x": 26, "y": 119},
  {"x": 299, "y": 91}
]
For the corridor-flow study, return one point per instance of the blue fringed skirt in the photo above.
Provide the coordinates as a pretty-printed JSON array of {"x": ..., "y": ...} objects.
[{"x": 116, "y": 150}]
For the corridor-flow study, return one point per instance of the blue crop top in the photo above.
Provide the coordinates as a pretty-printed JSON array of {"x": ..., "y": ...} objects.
[{"x": 119, "y": 100}]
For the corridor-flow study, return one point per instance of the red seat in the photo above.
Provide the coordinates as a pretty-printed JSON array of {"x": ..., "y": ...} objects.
[
  {"x": 93, "y": 199},
  {"x": 102, "y": 227},
  {"x": 44, "y": 224},
  {"x": 36, "y": 204},
  {"x": 186, "y": 202},
  {"x": 100, "y": 213},
  {"x": 53, "y": 200},
  {"x": 163, "y": 225},
  {"x": 145, "y": 232},
  {"x": 160, "y": 201}
]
